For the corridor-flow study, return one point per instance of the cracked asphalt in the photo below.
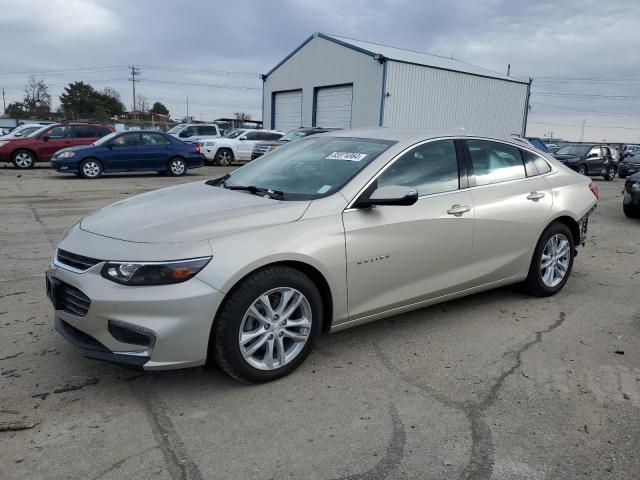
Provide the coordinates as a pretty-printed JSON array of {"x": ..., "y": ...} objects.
[{"x": 497, "y": 385}]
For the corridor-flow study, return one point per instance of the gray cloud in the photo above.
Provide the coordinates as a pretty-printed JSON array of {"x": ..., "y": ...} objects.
[{"x": 546, "y": 40}]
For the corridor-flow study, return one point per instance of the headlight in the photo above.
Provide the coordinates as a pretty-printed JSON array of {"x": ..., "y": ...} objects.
[
  {"x": 153, "y": 273},
  {"x": 3, "y": 143},
  {"x": 209, "y": 144},
  {"x": 66, "y": 154}
]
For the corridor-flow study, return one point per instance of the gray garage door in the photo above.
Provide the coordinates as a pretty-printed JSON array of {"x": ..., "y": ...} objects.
[
  {"x": 333, "y": 106},
  {"x": 288, "y": 110}
]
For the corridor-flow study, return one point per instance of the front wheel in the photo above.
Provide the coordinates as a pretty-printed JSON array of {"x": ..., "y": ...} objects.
[
  {"x": 177, "y": 167},
  {"x": 610, "y": 173},
  {"x": 224, "y": 157},
  {"x": 23, "y": 159},
  {"x": 268, "y": 325},
  {"x": 90, "y": 168},
  {"x": 582, "y": 170},
  {"x": 552, "y": 261}
]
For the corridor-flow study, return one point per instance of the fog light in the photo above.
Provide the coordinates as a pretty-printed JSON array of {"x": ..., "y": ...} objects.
[{"x": 132, "y": 334}]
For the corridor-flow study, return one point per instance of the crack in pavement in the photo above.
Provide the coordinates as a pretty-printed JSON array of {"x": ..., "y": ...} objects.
[
  {"x": 393, "y": 454},
  {"x": 482, "y": 457},
  {"x": 121, "y": 462},
  {"x": 180, "y": 466}
]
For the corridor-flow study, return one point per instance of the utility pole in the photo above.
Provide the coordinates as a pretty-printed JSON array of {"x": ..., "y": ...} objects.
[
  {"x": 582, "y": 130},
  {"x": 4, "y": 105},
  {"x": 187, "y": 109},
  {"x": 135, "y": 71}
]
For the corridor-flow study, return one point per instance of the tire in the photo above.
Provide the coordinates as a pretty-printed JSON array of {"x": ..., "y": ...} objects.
[
  {"x": 90, "y": 168},
  {"x": 234, "y": 317},
  {"x": 621, "y": 176},
  {"x": 631, "y": 212},
  {"x": 537, "y": 283},
  {"x": 177, "y": 167},
  {"x": 610, "y": 174},
  {"x": 224, "y": 157},
  {"x": 582, "y": 170},
  {"x": 23, "y": 159}
]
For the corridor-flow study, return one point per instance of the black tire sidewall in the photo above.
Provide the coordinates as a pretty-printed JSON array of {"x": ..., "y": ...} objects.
[
  {"x": 630, "y": 211},
  {"x": 15, "y": 163},
  {"x": 610, "y": 176},
  {"x": 582, "y": 167},
  {"x": 224, "y": 338},
  {"x": 534, "y": 282},
  {"x": 81, "y": 168}
]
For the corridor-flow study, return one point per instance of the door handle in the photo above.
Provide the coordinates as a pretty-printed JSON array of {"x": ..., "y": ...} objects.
[
  {"x": 458, "y": 210},
  {"x": 535, "y": 196}
]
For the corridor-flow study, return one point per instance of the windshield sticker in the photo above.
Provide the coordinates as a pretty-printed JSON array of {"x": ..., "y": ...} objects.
[
  {"x": 352, "y": 156},
  {"x": 324, "y": 189}
]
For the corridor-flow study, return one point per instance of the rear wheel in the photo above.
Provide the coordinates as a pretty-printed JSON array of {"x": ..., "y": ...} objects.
[
  {"x": 23, "y": 159},
  {"x": 177, "y": 167},
  {"x": 610, "y": 173},
  {"x": 224, "y": 157},
  {"x": 552, "y": 261},
  {"x": 582, "y": 170},
  {"x": 268, "y": 325},
  {"x": 90, "y": 168}
]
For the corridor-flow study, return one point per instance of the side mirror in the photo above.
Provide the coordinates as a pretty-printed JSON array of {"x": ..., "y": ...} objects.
[
  {"x": 242, "y": 138},
  {"x": 392, "y": 195}
]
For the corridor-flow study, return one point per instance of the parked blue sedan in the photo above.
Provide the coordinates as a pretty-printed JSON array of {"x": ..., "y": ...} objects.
[{"x": 137, "y": 151}]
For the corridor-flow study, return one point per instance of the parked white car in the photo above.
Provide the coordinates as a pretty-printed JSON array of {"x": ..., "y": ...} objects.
[
  {"x": 22, "y": 131},
  {"x": 192, "y": 132},
  {"x": 237, "y": 146}
]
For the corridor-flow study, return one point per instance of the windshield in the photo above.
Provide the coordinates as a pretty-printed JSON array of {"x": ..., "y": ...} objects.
[
  {"x": 38, "y": 131},
  {"x": 106, "y": 138},
  {"x": 577, "y": 150},
  {"x": 176, "y": 129},
  {"x": 235, "y": 133},
  {"x": 294, "y": 135},
  {"x": 311, "y": 168}
]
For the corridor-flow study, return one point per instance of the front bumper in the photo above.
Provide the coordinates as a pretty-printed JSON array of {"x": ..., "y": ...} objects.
[
  {"x": 176, "y": 317},
  {"x": 255, "y": 155},
  {"x": 64, "y": 166},
  {"x": 628, "y": 169}
]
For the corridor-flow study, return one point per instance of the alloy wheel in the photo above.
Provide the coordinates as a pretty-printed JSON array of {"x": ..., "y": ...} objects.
[
  {"x": 275, "y": 328},
  {"x": 24, "y": 160},
  {"x": 224, "y": 158},
  {"x": 91, "y": 169},
  {"x": 177, "y": 167},
  {"x": 555, "y": 259}
]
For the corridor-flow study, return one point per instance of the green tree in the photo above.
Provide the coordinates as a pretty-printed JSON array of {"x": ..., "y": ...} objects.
[
  {"x": 15, "y": 110},
  {"x": 160, "y": 109},
  {"x": 83, "y": 100}
]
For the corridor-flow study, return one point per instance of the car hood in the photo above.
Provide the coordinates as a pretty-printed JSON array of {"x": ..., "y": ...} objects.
[
  {"x": 635, "y": 177},
  {"x": 189, "y": 213}
]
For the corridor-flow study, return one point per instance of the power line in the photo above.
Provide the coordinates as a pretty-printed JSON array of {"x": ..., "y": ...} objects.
[
  {"x": 64, "y": 70},
  {"x": 196, "y": 84},
  {"x": 585, "y": 95},
  {"x": 586, "y": 110},
  {"x": 590, "y": 126}
]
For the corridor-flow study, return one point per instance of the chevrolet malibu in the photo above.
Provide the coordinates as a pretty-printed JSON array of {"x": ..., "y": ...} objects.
[{"x": 323, "y": 234}]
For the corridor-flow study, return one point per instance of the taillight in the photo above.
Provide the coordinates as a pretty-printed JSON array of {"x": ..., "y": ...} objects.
[
  {"x": 197, "y": 148},
  {"x": 594, "y": 189}
]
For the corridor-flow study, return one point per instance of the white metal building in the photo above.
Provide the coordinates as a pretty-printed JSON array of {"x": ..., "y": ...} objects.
[{"x": 331, "y": 81}]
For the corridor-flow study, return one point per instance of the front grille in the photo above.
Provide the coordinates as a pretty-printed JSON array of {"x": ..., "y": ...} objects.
[
  {"x": 72, "y": 300},
  {"x": 261, "y": 148},
  {"x": 75, "y": 261}
]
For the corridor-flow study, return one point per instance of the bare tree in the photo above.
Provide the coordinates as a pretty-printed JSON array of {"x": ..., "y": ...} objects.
[
  {"x": 36, "y": 96},
  {"x": 142, "y": 103},
  {"x": 242, "y": 116}
]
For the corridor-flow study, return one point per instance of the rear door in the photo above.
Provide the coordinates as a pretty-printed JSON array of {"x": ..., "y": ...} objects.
[
  {"x": 84, "y": 134},
  {"x": 155, "y": 151},
  {"x": 512, "y": 205},
  {"x": 399, "y": 255},
  {"x": 54, "y": 139}
]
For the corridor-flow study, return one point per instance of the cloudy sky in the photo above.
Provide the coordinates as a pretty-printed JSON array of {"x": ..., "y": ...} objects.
[{"x": 583, "y": 55}]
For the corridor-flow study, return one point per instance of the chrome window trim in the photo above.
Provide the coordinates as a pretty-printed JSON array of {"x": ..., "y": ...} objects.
[{"x": 350, "y": 207}]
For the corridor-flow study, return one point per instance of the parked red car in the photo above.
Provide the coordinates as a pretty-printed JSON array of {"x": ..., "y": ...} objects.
[{"x": 40, "y": 146}]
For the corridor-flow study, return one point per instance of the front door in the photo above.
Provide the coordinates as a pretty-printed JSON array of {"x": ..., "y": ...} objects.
[
  {"x": 123, "y": 153},
  {"x": 52, "y": 140},
  {"x": 511, "y": 209},
  {"x": 595, "y": 161},
  {"x": 245, "y": 147},
  {"x": 400, "y": 255}
]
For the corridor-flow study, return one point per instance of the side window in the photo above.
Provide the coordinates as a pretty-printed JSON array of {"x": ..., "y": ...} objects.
[
  {"x": 208, "y": 130},
  {"x": 594, "y": 152},
  {"x": 84, "y": 131},
  {"x": 103, "y": 131},
  {"x": 188, "y": 132},
  {"x": 495, "y": 162},
  {"x": 153, "y": 139},
  {"x": 253, "y": 136},
  {"x": 274, "y": 136},
  {"x": 606, "y": 151},
  {"x": 541, "y": 166},
  {"x": 431, "y": 167},
  {"x": 58, "y": 132},
  {"x": 127, "y": 140}
]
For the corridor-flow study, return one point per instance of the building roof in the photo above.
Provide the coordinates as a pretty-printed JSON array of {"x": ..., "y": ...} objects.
[{"x": 403, "y": 55}]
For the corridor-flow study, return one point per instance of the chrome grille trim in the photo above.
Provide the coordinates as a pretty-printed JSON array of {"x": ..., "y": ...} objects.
[{"x": 74, "y": 262}]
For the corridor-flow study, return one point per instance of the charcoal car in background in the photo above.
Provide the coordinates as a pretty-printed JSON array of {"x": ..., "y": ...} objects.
[
  {"x": 265, "y": 147},
  {"x": 591, "y": 160}
]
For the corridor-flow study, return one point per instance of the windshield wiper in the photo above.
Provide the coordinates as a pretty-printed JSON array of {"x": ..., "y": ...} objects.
[{"x": 276, "y": 194}]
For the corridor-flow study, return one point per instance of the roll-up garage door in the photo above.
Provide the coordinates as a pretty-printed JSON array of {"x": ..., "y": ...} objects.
[
  {"x": 288, "y": 110},
  {"x": 333, "y": 106}
]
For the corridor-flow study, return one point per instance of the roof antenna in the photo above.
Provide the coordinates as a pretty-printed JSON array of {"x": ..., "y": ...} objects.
[{"x": 508, "y": 69}]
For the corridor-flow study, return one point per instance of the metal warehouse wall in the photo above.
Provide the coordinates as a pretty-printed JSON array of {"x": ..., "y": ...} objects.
[
  {"x": 423, "y": 97},
  {"x": 322, "y": 63}
]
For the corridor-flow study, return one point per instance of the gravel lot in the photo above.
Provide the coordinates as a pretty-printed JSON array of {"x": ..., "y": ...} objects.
[{"x": 497, "y": 385}]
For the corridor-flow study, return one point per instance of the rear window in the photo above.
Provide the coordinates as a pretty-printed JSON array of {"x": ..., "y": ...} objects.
[{"x": 495, "y": 162}]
